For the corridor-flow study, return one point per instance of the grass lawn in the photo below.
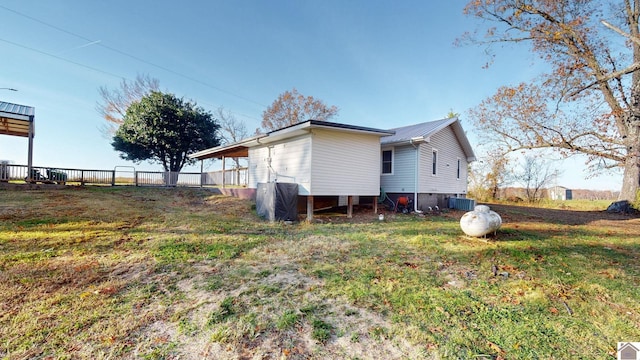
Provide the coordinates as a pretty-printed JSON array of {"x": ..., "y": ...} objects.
[{"x": 124, "y": 272}]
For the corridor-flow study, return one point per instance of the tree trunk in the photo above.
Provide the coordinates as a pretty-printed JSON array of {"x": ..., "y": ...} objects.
[
  {"x": 631, "y": 135},
  {"x": 631, "y": 175}
]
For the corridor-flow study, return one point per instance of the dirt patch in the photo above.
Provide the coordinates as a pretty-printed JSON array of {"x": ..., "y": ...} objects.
[{"x": 258, "y": 290}]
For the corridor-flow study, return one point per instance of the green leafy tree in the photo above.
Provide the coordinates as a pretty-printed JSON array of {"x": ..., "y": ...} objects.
[{"x": 165, "y": 129}]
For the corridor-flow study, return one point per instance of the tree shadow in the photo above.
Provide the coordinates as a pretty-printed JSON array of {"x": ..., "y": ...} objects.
[{"x": 514, "y": 213}]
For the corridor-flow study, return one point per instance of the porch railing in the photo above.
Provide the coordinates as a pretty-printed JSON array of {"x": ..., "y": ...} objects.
[{"x": 121, "y": 176}]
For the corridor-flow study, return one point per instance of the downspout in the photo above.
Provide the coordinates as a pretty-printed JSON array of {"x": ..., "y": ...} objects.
[{"x": 415, "y": 141}]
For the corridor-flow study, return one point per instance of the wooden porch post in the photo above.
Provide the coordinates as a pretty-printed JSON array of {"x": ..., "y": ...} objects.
[
  {"x": 309, "y": 207},
  {"x": 375, "y": 204},
  {"x": 350, "y": 206},
  {"x": 223, "y": 172},
  {"x": 30, "y": 154},
  {"x": 201, "y": 172}
]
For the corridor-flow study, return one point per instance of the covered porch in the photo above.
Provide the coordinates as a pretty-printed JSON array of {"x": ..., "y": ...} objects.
[{"x": 18, "y": 120}]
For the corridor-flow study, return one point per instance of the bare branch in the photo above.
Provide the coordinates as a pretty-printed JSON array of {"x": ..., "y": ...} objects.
[{"x": 616, "y": 29}]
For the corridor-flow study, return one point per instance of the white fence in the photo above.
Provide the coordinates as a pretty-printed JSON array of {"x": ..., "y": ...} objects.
[{"x": 121, "y": 176}]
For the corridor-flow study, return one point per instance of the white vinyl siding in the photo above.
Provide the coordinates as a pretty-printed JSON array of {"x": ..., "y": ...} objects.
[
  {"x": 403, "y": 179},
  {"x": 345, "y": 163},
  {"x": 290, "y": 162},
  {"x": 322, "y": 163},
  {"x": 449, "y": 152}
]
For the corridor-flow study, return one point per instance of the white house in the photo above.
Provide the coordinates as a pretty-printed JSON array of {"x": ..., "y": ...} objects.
[
  {"x": 426, "y": 162},
  {"x": 323, "y": 158}
]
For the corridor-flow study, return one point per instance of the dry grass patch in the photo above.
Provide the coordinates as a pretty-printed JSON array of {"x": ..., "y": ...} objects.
[{"x": 183, "y": 273}]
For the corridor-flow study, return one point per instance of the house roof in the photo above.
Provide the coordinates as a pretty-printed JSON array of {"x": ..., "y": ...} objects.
[
  {"x": 422, "y": 133},
  {"x": 15, "y": 119},
  {"x": 241, "y": 148}
]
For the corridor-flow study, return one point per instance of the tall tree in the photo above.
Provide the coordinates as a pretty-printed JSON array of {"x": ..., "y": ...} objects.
[
  {"x": 115, "y": 102},
  {"x": 292, "y": 107},
  {"x": 165, "y": 129},
  {"x": 590, "y": 102}
]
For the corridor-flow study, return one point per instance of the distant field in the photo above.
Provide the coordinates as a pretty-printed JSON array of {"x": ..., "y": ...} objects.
[
  {"x": 155, "y": 273},
  {"x": 579, "y": 205}
]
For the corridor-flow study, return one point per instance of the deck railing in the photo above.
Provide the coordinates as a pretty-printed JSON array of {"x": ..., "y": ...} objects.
[{"x": 120, "y": 176}]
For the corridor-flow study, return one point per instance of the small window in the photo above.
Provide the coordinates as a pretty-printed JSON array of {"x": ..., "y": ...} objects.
[
  {"x": 434, "y": 162},
  {"x": 458, "y": 171},
  {"x": 387, "y": 162}
]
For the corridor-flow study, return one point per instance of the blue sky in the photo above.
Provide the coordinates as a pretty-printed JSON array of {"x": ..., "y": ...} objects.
[{"x": 383, "y": 63}]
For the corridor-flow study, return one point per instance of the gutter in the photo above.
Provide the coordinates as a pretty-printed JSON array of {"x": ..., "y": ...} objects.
[{"x": 416, "y": 140}]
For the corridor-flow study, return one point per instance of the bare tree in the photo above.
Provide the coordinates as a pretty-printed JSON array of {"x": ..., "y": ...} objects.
[
  {"x": 115, "y": 102},
  {"x": 489, "y": 175},
  {"x": 535, "y": 175},
  {"x": 589, "y": 103},
  {"x": 292, "y": 107},
  {"x": 231, "y": 130}
]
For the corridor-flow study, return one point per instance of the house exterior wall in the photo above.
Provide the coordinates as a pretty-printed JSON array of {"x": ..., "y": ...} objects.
[
  {"x": 345, "y": 163},
  {"x": 322, "y": 163},
  {"x": 449, "y": 150},
  {"x": 290, "y": 162},
  {"x": 403, "y": 177},
  {"x": 445, "y": 181}
]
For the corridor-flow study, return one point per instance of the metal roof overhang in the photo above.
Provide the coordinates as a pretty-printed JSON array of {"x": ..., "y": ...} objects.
[
  {"x": 16, "y": 119},
  {"x": 219, "y": 152},
  {"x": 457, "y": 129},
  {"x": 241, "y": 149}
]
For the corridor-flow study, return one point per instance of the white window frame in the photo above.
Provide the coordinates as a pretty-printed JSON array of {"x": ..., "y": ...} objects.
[
  {"x": 459, "y": 169},
  {"x": 382, "y": 161},
  {"x": 434, "y": 165}
]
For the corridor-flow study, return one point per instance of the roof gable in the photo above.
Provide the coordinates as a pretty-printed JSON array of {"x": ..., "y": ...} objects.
[
  {"x": 423, "y": 132},
  {"x": 406, "y": 133}
]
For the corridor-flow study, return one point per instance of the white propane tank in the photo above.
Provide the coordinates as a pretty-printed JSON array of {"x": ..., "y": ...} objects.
[{"x": 480, "y": 222}]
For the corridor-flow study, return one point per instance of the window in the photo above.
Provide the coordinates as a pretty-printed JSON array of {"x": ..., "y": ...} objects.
[
  {"x": 458, "y": 171},
  {"x": 387, "y": 161},
  {"x": 434, "y": 162}
]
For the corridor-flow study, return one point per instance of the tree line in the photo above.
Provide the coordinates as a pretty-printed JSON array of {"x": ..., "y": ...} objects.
[{"x": 147, "y": 124}]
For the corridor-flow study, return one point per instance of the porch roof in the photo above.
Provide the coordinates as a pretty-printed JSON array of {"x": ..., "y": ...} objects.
[{"x": 15, "y": 119}]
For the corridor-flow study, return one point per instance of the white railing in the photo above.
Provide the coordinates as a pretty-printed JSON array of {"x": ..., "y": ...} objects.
[
  {"x": 232, "y": 177},
  {"x": 167, "y": 178}
]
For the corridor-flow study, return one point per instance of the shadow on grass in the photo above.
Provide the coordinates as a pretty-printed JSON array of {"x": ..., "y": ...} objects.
[{"x": 516, "y": 213}]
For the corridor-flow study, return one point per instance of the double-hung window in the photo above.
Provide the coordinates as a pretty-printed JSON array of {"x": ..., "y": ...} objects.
[
  {"x": 387, "y": 161},
  {"x": 434, "y": 162}
]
